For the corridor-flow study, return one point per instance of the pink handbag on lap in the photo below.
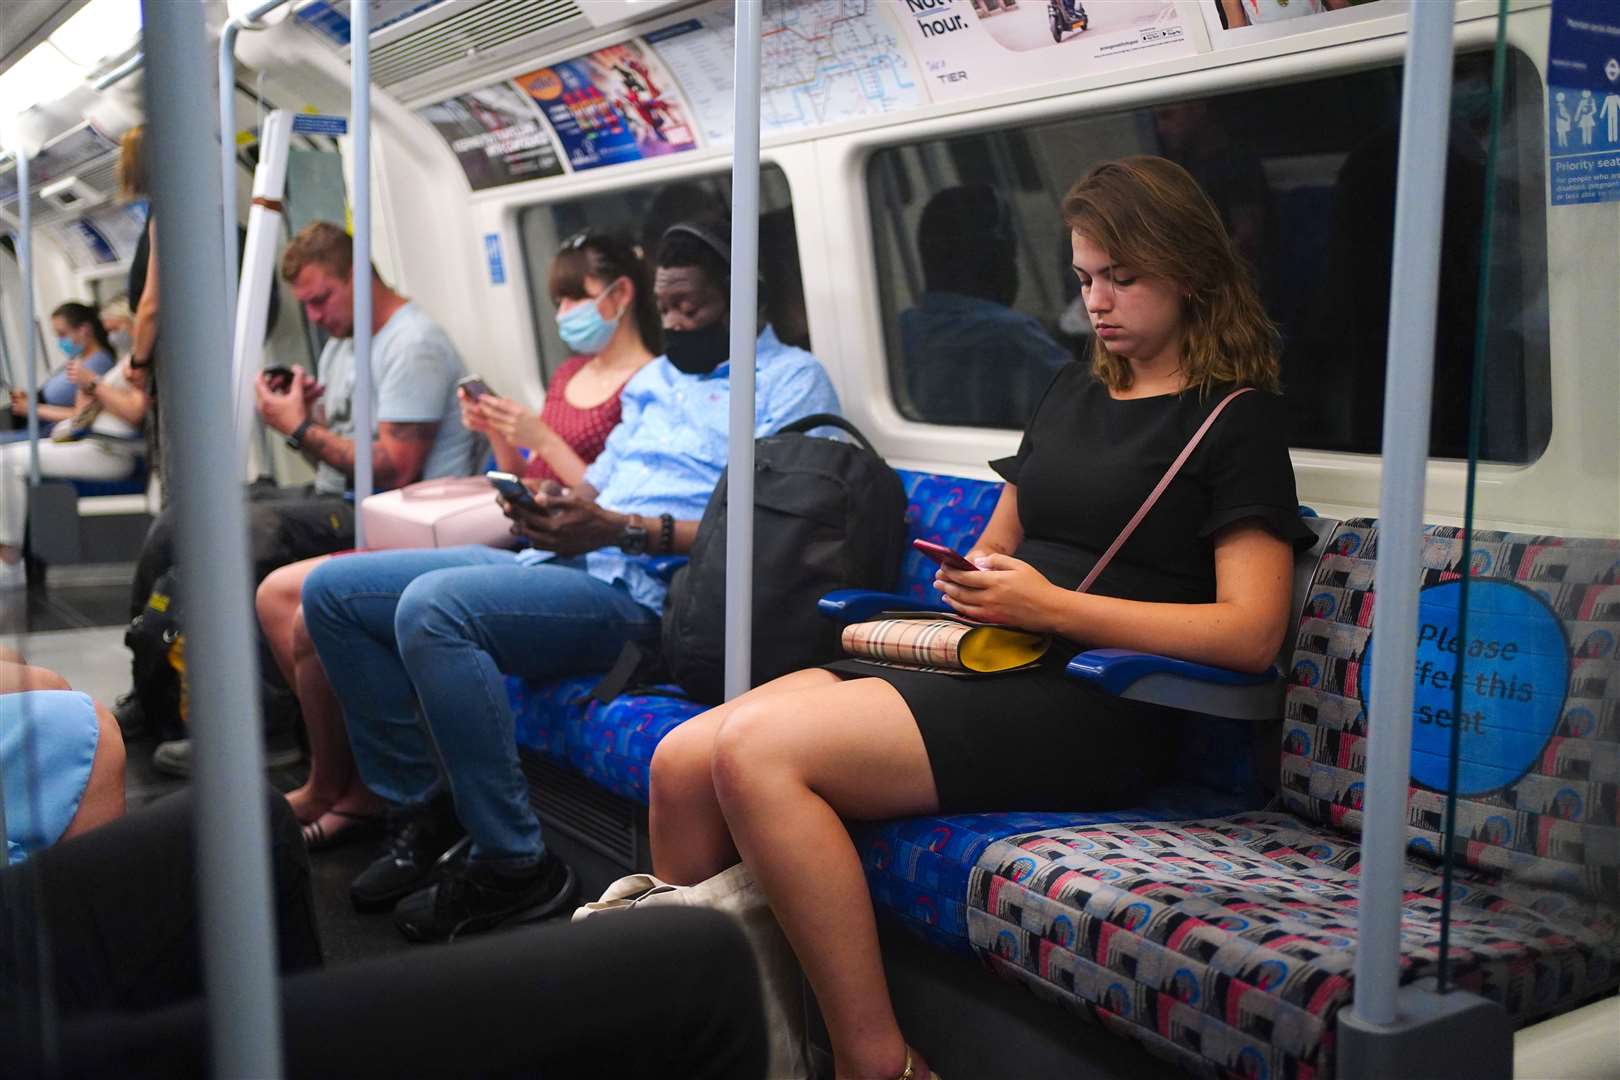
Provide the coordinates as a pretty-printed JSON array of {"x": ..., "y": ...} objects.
[{"x": 447, "y": 512}]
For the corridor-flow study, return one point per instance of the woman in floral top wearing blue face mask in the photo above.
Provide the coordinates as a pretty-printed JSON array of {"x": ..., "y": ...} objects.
[
  {"x": 76, "y": 329},
  {"x": 607, "y": 318}
]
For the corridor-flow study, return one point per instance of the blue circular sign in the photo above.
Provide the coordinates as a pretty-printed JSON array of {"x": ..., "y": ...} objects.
[{"x": 1512, "y": 672}]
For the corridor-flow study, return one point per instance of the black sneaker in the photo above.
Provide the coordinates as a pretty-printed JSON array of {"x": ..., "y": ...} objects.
[
  {"x": 476, "y": 897},
  {"x": 415, "y": 839},
  {"x": 131, "y": 716}
]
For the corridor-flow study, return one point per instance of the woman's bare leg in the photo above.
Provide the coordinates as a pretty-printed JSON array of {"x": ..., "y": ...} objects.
[
  {"x": 16, "y": 675},
  {"x": 788, "y": 769},
  {"x": 277, "y": 600},
  {"x": 333, "y": 777},
  {"x": 103, "y": 798},
  {"x": 690, "y": 839},
  {"x": 278, "y": 603}
]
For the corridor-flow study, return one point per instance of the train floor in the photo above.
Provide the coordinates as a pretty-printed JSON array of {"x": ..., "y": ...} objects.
[{"x": 75, "y": 627}]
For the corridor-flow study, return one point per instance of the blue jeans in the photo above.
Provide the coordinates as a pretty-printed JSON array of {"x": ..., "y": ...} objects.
[{"x": 438, "y": 628}]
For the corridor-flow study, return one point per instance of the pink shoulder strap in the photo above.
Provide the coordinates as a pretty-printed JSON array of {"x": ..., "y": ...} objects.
[{"x": 1158, "y": 490}]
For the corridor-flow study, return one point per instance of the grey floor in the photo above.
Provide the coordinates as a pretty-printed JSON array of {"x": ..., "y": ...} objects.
[{"x": 75, "y": 627}]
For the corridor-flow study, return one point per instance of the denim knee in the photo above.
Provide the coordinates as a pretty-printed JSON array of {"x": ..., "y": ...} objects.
[
  {"x": 429, "y": 612},
  {"x": 323, "y": 592}
]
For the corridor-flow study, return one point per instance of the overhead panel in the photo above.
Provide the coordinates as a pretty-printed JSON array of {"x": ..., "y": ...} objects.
[{"x": 470, "y": 35}]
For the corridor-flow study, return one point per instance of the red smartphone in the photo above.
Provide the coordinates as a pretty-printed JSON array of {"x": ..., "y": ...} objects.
[
  {"x": 279, "y": 377},
  {"x": 943, "y": 555}
]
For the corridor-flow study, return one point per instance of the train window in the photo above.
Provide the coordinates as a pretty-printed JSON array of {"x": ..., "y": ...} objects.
[
  {"x": 644, "y": 213},
  {"x": 980, "y": 306}
]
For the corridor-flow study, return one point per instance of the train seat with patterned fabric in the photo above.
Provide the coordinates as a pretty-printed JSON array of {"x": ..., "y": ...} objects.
[
  {"x": 918, "y": 867},
  {"x": 1226, "y": 944}
]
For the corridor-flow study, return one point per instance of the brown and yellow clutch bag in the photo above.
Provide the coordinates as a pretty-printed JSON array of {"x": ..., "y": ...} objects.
[{"x": 942, "y": 642}]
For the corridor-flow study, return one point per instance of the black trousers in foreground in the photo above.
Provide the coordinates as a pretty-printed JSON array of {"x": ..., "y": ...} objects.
[{"x": 661, "y": 993}]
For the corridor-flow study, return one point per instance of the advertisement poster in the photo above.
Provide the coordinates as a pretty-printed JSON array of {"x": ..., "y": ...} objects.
[
  {"x": 822, "y": 62},
  {"x": 1583, "y": 102},
  {"x": 973, "y": 47},
  {"x": 497, "y": 136},
  {"x": 614, "y": 105},
  {"x": 1242, "y": 22},
  {"x": 105, "y": 236}
]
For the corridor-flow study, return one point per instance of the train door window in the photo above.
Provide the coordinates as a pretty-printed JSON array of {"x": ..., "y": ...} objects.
[
  {"x": 643, "y": 213},
  {"x": 980, "y": 306}
]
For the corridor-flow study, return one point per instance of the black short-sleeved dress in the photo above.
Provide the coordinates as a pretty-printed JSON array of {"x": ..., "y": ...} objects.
[{"x": 1034, "y": 739}]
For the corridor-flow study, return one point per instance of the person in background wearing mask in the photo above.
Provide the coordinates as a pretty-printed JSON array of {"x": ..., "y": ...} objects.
[
  {"x": 119, "y": 319},
  {"x": 606, "y": 316},
  {"x": 109, "y": 404},
  {"x": 59, "y": 397},
  {"x": 429, "y": 634}
]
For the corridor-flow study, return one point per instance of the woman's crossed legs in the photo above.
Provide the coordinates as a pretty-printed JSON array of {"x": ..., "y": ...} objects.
[{"x": 768, "y": 778}]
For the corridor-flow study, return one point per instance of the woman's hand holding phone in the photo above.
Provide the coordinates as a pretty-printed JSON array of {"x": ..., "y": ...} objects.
[{"x": 1002, "y": 590}]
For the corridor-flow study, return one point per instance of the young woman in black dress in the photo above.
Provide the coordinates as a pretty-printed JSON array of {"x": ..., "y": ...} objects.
[{"x": 770, "y": 777}]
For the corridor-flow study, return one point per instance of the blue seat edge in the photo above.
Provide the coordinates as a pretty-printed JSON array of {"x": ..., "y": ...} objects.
[
  {"x": 856, "y": 605},
  {"x": 1114, "y": 670}
]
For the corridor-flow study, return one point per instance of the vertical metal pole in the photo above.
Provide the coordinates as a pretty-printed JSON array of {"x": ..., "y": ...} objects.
[
  {"x": 227, "y": 166},
  {"x": 239, "y": 956},
  {"x": 1409, "y": 380},
  {"x": 25, "y": 265},
  {"x": 360, "y": 114},
  {"x": 744, "y": 339}
]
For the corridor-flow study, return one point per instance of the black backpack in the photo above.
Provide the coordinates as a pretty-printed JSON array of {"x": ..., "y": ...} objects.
[{"x": 827, "y": 515}]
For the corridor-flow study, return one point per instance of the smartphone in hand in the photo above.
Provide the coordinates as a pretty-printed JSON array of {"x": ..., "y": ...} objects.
[
  {"x": 474, "y": 387},
  {"x": 279, "y": 377},
  {"x": 512, "y": 489},
  {"x": 943, "y": 555}
]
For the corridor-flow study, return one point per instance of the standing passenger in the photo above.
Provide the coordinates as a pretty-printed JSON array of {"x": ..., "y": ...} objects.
[
  {"x": 769, "y": 776},
  {"x": 399, "y": 631}
]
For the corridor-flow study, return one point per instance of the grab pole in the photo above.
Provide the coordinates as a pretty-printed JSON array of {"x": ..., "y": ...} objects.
[
  {"x": 227, "y": 145},
  {"x": 744, "y": 342},
  {"x": 360, "y": 108},
  {"x": 25, "y": 265},
  {"x": 232, "y": 828},
  {"x": 1408, "y": 385}
]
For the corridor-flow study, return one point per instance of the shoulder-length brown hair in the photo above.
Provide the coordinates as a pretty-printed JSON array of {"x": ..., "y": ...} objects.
[{"x": 1150, "y": 215}]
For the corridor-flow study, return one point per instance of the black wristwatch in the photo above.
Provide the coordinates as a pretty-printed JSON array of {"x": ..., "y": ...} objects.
[
  {"x": 296, "y": 439},
  {"x": 633, "y": 537}
]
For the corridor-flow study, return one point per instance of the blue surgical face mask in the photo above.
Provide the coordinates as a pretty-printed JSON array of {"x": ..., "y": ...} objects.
[
  {"x": 584, "y": 330},
  {"x": 69, "y": 346}
]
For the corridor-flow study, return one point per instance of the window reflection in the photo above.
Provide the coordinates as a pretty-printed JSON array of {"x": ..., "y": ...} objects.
[{"x": 1303, "y": 176}]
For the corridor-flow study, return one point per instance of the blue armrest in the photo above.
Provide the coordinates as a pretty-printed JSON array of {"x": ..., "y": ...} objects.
[
  {"x": 663, "y": 567},
  {"x": 857, "y": 605},
  {"x": 1114, "y": 670}
]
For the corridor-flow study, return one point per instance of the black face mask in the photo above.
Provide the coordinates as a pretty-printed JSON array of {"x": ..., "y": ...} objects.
[{"x": 698, "y": 352}]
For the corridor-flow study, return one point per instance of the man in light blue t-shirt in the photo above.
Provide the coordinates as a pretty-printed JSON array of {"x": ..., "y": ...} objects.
[{"x": 417, "y": 422}]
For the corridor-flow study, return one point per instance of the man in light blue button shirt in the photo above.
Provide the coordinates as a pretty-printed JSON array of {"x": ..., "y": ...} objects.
[{"x": 439, "y": 628}]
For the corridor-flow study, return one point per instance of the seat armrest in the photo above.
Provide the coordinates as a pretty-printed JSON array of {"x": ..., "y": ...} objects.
[
  {"x": 1181, "y": 684},
  {"x": 858, "y": 605},
  {"x": 663, "y": 567}
]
